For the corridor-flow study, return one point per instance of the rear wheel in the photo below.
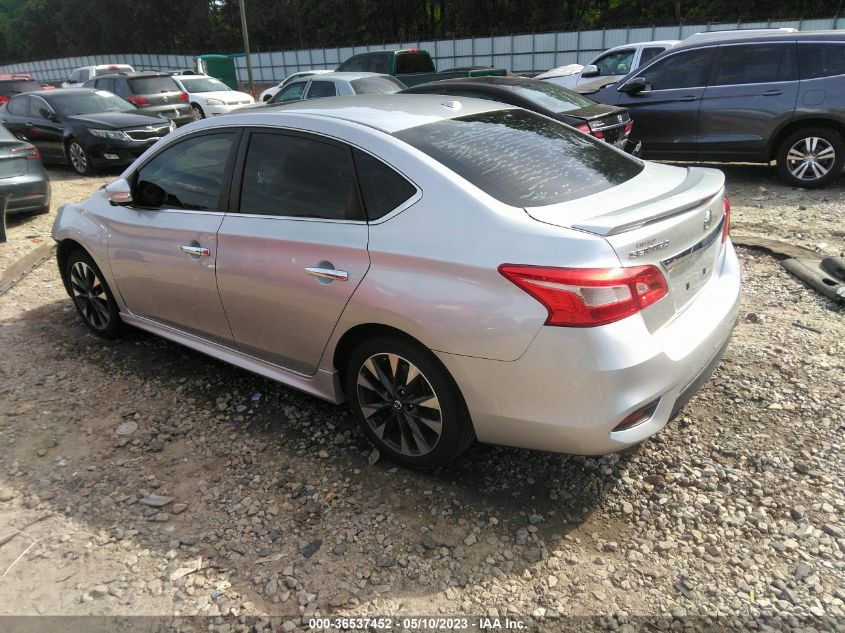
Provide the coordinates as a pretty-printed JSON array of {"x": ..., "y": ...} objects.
[
  {"x": 198, "y": 112},
  {"x": 811, "y": 157},
  {"x": 79, "y": 159},
  {"x": 92, "y": 296},
  {"x": 407, "y": 403}
]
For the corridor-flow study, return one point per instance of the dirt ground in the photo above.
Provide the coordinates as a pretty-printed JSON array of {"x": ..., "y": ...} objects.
[{"x": 732, "y": 516}]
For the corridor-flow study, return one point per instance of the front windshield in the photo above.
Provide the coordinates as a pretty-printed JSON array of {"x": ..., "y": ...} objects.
[
  {"x": 203, "y": 84},
  {"x": 552, "y": 97},
  {"x": 88, "y": 103}
]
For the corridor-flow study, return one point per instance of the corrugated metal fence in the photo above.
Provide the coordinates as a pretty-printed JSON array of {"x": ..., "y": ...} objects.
[{"x": 532, "y": 53}]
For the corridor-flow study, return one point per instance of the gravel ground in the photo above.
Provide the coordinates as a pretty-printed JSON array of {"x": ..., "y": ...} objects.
[{"x": 149, "y": 479}]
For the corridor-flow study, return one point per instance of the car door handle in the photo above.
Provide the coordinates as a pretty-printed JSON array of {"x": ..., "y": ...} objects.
[
  {"x": 328, "y": 273},
  {"x": 688, "y": 98},
  {"x": 199, "y": 251},
  {"x": 28, "y": 124},
  {"x": 772, "y": 93}
]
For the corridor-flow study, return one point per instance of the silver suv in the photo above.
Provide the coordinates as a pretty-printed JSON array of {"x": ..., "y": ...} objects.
[{"x": 452, "y": 268}]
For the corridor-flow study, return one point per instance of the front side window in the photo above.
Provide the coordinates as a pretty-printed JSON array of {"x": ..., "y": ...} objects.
[
  {"x": 756, "y": 64},
  {"x": 618, "y": 63},
  {"x": 521, "y": 158},
  {"x": 188, "y": 175},
  {"x": 320, "y": 89},
  {"x": 382, "y": 189},
  {"x": 299, "y": 177},
  {"x": 688, "y": 69},
  {"x": 820, "y": 59},
  {"x": 649, "y": 53},
  {"x": 37, "y": 107},
  {"x": 75, "y": 77},
  {"x": 293, "y": 92}
]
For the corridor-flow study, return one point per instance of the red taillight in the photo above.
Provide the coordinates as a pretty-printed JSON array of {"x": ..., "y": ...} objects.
[
  {"x": 628, "y": 127},
  {"x": 29, "y": 152},
  {"x": 138, "y": 101},
  {"x": 183, "y": 97},
  {"x": 726, "y": 221},
  {"x": 583, "y": 127},
  {"x": 4, "y": 99},
  {"x": 587, "y": 297}
]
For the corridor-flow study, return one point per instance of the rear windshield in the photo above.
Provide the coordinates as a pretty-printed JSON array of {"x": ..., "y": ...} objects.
[
  {"x": 152, "y": 85},
  {"x": 552, "y": 97},
  {"x": 521, "y": 158},
  {"x": 110, "y": 70},
  {"x": 13, "y": 87},
  {"x": 376, "y": 86},
  {"x": 408, "y": 63}
]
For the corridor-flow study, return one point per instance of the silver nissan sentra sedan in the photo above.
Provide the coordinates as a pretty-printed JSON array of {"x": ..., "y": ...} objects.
[{"x": 454, "y": 269}]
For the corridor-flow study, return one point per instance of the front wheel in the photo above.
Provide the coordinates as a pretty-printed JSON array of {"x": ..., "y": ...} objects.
[
  {"x": 79, "y": 159},
  {"x": 407, "y": 403},
  {"x": 198, "y": 111},
  {"x": 811, "y": 157},
  {"x": 92, "y": 296}
]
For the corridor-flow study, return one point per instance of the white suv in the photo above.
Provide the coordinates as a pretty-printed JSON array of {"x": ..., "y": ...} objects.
[
  {"x": 81, "y": 75},
  {"x": 619, "y": 60}
]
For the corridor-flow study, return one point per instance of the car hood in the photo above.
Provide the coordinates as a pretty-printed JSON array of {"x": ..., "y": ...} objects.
[
  {"x": 226, "y": 96},
  {"x": 589, "y": 87},
  {"x": 116, "y": 120}
]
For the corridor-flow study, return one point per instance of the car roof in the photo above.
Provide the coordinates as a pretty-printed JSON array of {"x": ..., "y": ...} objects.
[
  {"x": 504, "y": 82},
  {"x": 133, "y": 75},
  {"x": 389, "y": 113},
  {"x": 668, "y": 43},
  {"x": 743, "y": 38},
  {"x": 346, "y": 76}
]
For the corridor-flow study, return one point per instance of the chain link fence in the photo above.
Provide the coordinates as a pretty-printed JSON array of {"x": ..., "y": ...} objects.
[{"x": 521, "y": 54}]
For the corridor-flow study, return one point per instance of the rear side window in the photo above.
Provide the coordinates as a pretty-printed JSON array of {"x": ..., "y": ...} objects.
[
  {"x": 188, "y": 175},
  {"x": 18, "y": 106},
  {"x": 688, "y": 69},
  {"x": 821, "y": 59},
  {"x": 382, "y": 188},
  {"x": 756, "y": 64},
  {"x": 321, "y": 89},
  {"x": 152, "y": 85},
  {"x": 521, "y": 158},
  {"x": 617, "y": 63},
  {"x": 299, "y": 177},
  {"x": 407, "y": 63},
  {"x": 376, "y": 85},
  {"x": 357, "y": 63}
]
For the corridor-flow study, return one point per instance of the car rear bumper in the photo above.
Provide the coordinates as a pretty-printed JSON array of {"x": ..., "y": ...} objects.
[
  {"x": 573, "y": 386},
  {"x": 30, "y": 192}
]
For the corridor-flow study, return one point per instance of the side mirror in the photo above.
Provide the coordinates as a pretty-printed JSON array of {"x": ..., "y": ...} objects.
[
  {"x": 119, "y": 192},
  {"x": 635, "y": 85},
  {"x": 591, "y": 70},
  {"x": 46, "y": 114}
]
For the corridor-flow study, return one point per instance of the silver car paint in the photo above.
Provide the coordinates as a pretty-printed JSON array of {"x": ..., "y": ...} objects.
[{"x": 432, "y": 274}]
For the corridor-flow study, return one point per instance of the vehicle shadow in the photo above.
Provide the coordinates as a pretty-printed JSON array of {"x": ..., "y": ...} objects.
[{"x": 204, "y": 424}]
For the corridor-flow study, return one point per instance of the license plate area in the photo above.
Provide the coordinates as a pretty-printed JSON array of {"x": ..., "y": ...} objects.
[{"x": 690, "y": 270}]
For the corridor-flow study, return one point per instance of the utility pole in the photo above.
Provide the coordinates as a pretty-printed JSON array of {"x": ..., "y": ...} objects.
[{"x": 246, "y": 48}]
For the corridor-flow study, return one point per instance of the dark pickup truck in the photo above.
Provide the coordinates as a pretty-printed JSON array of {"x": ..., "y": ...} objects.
[{"x": 411, "y": 66}]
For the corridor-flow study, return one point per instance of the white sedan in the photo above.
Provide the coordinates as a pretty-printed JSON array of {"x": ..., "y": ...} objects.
[
  {"x": 268, "y": 94},
  {"x": 209, "y": 96}
]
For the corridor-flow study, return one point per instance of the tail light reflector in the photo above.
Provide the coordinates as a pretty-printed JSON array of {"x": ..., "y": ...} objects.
[
  {"x": 4, "y": 99},
  {"x": 29, "y": 152},
  {"x": 726, "y": 222},
  {"x": 637, "y": 417},
  {"x": 183, "y": 97},
  {"x": 628, "y": 127},
  {"x": 138, "y": 101},
  {"x": 587, "y": 297}
]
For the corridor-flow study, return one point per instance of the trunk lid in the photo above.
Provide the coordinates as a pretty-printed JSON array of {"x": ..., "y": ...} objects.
[
  {"x": 666, "y": 216},
  {"x": 12, "y": 165}
]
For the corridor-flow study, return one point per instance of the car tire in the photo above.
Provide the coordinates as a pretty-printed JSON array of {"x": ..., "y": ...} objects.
[
  {"x": 423, "y": 422},
  {"x": 198, "y": 112},
  {"x": 811, "y": 157},
  {"x": 92, "y": 296},
  {"x": 79, "y": 159},
  {"x": 266, "y": 98}
]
